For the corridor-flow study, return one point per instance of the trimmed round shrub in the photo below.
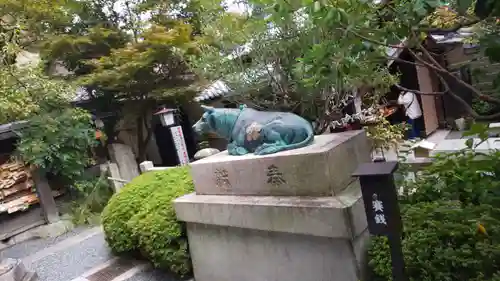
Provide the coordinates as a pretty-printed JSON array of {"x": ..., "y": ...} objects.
[
  {"x": 125, "y": 204},
  {"x": 140, "y": 218},
  {"x": 161, "y": 237}
]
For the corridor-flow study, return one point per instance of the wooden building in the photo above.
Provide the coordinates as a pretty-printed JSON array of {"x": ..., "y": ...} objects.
[{"x": 26, "y": 200}]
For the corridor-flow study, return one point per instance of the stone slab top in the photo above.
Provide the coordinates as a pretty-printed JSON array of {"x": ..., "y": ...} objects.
[
  {"x": 321, "y": 144},
  {"x": 275, "y": 201},
  {"x": 376, "y": 169}
]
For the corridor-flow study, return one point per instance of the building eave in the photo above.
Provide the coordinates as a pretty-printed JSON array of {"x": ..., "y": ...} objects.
[{"x": 8, "y": 131}]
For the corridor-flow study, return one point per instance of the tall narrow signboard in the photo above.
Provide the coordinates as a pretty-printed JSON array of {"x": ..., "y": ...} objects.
[
  {"x": 382, "y": 209},
  {"x": 180, "y": 145}
]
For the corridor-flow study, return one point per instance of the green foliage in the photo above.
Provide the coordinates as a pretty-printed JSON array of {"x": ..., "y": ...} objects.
[
  {"x": 93, "y": 33},
  {"x": 443, "y": 212},
  {"x": 442, "y": 242},
  {"x": 141, "y": 218},
  {"x": 155, "y": 65},
  {"x": 92, "y": 196},
  {"x": 485, "y": 8},
  {"x": 204, "y": 144},
  {"x": 308, "y": 56},
  {"x": 161, "y": 237},
  {"x": 482, "y": 107},
  {"x": 25, "y": 22},
  {"x": 75, "y": 50},
  {"x": 26, "y": 92},
  {"x": 123, "y": 206},
  {"x": 384, "y": 135},
  {"x": 58, "y": 138},
  {"x": 459, "y": 177},
  {"x": 294, "y": 66},
  {"x": 122, "y": 51},
  {"x": 58, "y": 141},
  {"x": 445, "y": 17}
]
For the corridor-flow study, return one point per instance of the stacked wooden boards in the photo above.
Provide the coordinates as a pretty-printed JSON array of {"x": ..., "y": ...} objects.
[{"x": 17, "y": 189}]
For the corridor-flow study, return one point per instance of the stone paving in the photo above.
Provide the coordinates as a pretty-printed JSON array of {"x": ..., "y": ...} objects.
[
  {"x": 73, "y": 261},
  {"x": 28, "y": 247},
  {"x": 80, "y": 255}
]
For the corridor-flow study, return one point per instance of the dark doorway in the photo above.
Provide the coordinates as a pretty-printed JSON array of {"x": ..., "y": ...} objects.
[
  {"x": 408, "y": 79},
  {"x": 7, "y": 146},
  {"x": 165, "y": 145}
]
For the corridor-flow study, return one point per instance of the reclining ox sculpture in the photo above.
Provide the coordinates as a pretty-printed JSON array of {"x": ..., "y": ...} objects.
[{"x": 251, "y": 131}]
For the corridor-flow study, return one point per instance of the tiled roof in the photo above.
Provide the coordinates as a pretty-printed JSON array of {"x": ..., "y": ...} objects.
[
  {"x": 7, "y": 131},
  {"x": 217, "y": 89},
  {"x": 453, "y": 37},
  {"x": 81, "y": 95}
]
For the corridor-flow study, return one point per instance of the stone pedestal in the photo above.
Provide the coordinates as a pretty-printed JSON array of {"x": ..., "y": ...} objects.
[
  {"x": 295, "y": 215},
  {"x": 322, "y": 169}
]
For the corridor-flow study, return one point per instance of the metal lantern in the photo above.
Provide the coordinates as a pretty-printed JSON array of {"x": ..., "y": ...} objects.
[{"x": 167, "y": 117}]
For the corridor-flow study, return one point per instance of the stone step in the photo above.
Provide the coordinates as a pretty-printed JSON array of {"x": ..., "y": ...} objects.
[
  {"x": 118, "y": 269},
  {"x": 154, "y": 275}
]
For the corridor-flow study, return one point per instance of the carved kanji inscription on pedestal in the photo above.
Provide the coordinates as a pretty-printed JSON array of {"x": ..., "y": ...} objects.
[
  {"x": 274, "y": 176},
  {"x": 222, "y": 179}
]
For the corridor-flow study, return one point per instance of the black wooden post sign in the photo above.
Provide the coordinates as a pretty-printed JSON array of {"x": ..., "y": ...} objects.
[{"x": 382, "y": 209}]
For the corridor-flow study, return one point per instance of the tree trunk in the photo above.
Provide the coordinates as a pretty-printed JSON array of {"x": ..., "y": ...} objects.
[{"x": 144, "y": 134}]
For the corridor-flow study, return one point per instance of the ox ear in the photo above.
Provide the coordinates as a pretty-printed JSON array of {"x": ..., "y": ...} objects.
[
  {"x": 208, "y": 109},
  {"x": 212, "y": 121}
]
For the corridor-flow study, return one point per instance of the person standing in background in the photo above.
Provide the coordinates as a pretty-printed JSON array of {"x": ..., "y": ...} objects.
[{"x": 412, "y": 110}]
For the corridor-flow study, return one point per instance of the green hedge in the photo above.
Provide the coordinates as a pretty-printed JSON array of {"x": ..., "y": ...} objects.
[
  {"x": 140, "y": 218},
  {"x": 442, "y": 238},
  {"x": 442, "y": 242}
]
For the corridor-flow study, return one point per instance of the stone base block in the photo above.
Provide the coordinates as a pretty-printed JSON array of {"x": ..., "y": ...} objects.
[
  {"x": 14, "y": 270},
  {"x": 248, "y": 238},
  {"x": 322, "y": 169},
  {"x": 236, "y": 254}
]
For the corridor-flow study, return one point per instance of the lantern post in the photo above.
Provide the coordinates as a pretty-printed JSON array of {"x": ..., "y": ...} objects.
[{"x": 167, "y": 118}]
